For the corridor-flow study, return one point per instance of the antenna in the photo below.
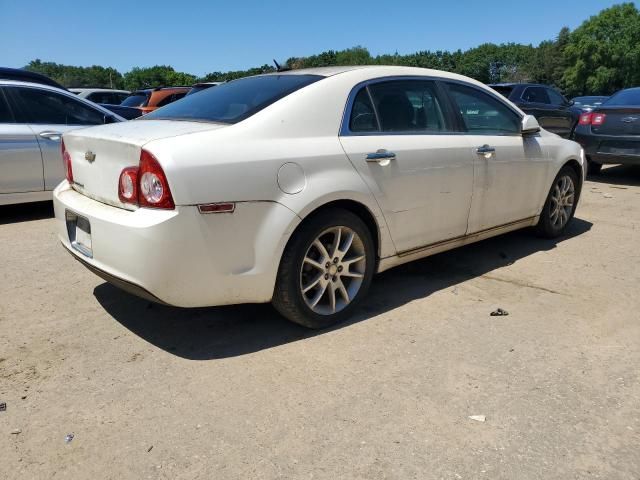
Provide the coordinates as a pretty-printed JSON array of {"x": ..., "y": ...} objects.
[{"x": 281, "y": 68}]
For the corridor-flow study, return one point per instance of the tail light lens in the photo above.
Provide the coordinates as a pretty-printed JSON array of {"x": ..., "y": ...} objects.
[
  {"x": 66, "y": 160},
  {"x": 145, "y": 185},
  {"x": 585, "y": 119},
  {"x": 597, "y": 119}
]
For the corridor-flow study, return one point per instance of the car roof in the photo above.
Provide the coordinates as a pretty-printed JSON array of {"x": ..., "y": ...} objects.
[
  {"x": 86, "y": 89},
  {"x": 27, "y": 76}
]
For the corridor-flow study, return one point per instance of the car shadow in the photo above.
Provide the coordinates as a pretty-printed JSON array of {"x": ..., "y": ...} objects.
[
  {"x": 222, "y": 332},
  {"x": 25, "y": 212},
  {"x": 628, "y": 175}
]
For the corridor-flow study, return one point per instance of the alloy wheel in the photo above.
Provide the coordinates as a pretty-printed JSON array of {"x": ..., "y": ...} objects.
[{"x": 562, "y": 198}]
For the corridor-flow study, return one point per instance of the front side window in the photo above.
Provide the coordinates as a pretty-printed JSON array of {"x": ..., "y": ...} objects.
[
  {"x": 234, "y": 101},
  {"x": 48, "y": 107},
  {"x": 556, "y": 98},
  {"x": 483, "y": 114},
  {"x": 536, "y": 95}
]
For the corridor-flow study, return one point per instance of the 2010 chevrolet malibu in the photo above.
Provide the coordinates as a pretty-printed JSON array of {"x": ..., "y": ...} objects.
[{"x": 296, "y": 187}]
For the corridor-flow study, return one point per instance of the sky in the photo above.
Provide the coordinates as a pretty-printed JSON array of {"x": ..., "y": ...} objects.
[{"x": 204, "y": 36}]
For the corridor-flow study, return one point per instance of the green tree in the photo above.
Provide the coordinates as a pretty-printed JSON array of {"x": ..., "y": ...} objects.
[
  {"x": 156, "y": 76},
  {"x": 70, "y": 76},
  {"x": 603, "y": 54}
]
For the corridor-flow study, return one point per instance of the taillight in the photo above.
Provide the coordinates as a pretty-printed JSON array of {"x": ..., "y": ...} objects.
[
  {"x": 128, "y": 185},
  {"x": 145, "y": 185},
  {"x": 66, "y": 160},
  {"x": 597, "y": 119},
  {"x": 585, "y": 119}
]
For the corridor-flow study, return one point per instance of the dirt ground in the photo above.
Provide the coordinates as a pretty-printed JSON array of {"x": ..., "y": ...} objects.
[{"x": 238, "y": 393}]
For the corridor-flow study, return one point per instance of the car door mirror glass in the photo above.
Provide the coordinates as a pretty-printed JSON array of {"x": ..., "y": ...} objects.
[{"x": 530, "y": 125}]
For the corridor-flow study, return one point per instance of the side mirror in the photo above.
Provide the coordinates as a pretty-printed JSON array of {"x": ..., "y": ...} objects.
[
  {"x": 529, "y": 125},
  {"x": 571, "y": 103}
]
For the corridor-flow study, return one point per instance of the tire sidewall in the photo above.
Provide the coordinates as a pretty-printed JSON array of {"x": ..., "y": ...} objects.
[{"x": 318, "y": 225}]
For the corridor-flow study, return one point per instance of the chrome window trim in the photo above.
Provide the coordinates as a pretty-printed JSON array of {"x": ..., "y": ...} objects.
[{"x": 345, "y": 131}]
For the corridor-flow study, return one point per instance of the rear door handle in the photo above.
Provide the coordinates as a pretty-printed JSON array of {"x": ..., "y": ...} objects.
[
  {"x": 382, "y": 156},
  {"x": 51, "y": 135},
  {"x": 486, "y": 150}
]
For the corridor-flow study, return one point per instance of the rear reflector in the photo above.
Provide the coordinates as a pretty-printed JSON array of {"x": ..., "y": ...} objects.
[
  {"x": 598, "y": 119},
  {"x": 585, "y": 119},
  {"x": 217, "y": 208}
]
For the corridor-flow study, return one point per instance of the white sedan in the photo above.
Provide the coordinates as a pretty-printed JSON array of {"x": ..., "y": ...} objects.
[{"x": 296, "y": 187}]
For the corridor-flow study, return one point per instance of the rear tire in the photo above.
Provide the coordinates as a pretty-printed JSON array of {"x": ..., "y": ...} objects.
[
  {"x": 326, "y": 269},
  {"x": 593, "y": 168},
  {"x": 560, "y": 205}
]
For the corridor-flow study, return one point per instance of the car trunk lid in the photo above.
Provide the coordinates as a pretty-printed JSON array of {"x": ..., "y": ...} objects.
[
  {"x": 99, "y": 154},
  {"x": 619, "y": 121}
]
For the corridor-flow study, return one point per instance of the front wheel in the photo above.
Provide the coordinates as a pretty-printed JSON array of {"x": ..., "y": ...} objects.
[
  {"x": 326, "y": 269},
  {"x": 560, "y": 204}
]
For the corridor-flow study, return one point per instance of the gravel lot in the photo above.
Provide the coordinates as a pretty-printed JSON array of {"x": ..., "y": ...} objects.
[{"x": 237, "y": 392}]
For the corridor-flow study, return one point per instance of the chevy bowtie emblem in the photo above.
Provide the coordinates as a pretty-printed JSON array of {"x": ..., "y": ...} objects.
[
  {"x": 89, "y": 156},
  {"x": 629, "y": 119}
]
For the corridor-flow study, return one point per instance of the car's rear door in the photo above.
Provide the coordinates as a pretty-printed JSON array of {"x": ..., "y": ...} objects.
[
  {"x": 399, "y": 134},
  {"x": 510, "y": 169},
  {"x": 20, "y": 157},
  {"x": 49, "y": 114}
]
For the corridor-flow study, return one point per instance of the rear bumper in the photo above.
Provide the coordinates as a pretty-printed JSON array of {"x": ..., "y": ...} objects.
[
  {"x": 602, "y": 148},
  {"x": 181, "y": 257}
]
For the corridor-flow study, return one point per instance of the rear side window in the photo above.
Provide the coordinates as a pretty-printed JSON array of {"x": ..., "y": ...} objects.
[
  {"x": 234, "y": 101},
  {"x": 136, "y": 100},
  {"x": 171, "y": 98},
  {"x": 503, "y": 90},
  {"x": 482, "y": 114},
  {"x": 48, "y": 107},
  {"x": 536, "y": 95},
  {"x": 5, "y": 113},
  {"x": 363, "y": 117}
]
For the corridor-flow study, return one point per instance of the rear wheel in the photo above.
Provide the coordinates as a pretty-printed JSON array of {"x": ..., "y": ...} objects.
[
  {"x": 325, "y": 270},
  {"x": 560, "y": 204}
]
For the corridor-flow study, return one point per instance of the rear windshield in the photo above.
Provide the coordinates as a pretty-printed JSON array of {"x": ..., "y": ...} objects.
[
  {"x": 625, "y": 97},
  {"x": 234, "y": 101},
  {"x": 136, "y": 100},
  {"x": 503, "y": 90},
  {"x": 589, "y": 100}
]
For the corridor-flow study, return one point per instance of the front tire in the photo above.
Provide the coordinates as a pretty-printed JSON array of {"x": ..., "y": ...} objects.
[
  {"x": 326, "y": 269},
  {"x": 560, "y": 205}
]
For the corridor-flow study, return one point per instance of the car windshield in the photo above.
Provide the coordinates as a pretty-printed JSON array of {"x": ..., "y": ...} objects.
[
  {"x": 234, "y": 101},
  {"x": 139, "y": 99},
  {"x": 625, "y": 97}
]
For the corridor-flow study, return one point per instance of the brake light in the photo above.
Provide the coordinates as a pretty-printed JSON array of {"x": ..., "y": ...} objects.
[
  {"x": 66, "y": 160},
  {"x": 145, "y": 185},
  {"x": 598, "y": 119},
  {"x": 585, "y": 119}
]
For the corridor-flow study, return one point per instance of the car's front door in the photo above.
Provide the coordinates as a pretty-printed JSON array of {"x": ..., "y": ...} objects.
[
  {"x": 511, "y": 169},
  {"x": 49, "y": 114},
  {"x": 20, "y": 158},
  {"x": 399, "y": 135}
]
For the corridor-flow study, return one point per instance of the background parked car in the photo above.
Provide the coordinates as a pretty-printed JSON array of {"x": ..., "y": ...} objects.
[
  {"x": 611, "y": 132},
  {"x": 102, "y": 95},
  {"x": 587, "y": 104},
  {"x": 554, "y": 112},
  {"x": 150, "y": 99},
  {"x": 33, "y": 118},
  {"x": 27, "y": 76},
  {"x": 128, "y": 113},
  {"x": 198, "y": 87}
]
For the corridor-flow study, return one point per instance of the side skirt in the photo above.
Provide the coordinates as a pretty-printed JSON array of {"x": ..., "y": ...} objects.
[{"x": 428, "y": 250}]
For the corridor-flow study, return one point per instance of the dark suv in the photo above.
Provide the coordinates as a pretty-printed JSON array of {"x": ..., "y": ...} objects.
[{"x": 552, "y": 110}]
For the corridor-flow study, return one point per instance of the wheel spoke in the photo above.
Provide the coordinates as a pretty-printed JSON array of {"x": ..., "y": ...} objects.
[
  {"x": 348, "y": 273},
  {"x": 351, "y": 261},
  {"x": 332, "y": 297},
  {"x": 347, "y": 244},
  {"x": 312, "y": 284},
  {"x": 336, "y": 243},
  {"x": 321, "y": 248},
  {"x": 317, "y": 265},
  {"x": 314, "y": 301},
  {"x": 343, "y": 291}
]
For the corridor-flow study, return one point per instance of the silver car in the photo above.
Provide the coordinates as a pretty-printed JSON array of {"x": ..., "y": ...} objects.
[{"x": 33, "y": 118}]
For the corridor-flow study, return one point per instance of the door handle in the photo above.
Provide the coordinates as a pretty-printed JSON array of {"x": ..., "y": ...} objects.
[
  {"x": 382, "y": 157},
  {"x": 51, "y": 135},
  {"x": 486, "y": 150}
]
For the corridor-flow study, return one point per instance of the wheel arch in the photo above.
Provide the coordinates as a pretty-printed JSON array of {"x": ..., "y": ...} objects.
[{"x": 578, "y": 169}]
